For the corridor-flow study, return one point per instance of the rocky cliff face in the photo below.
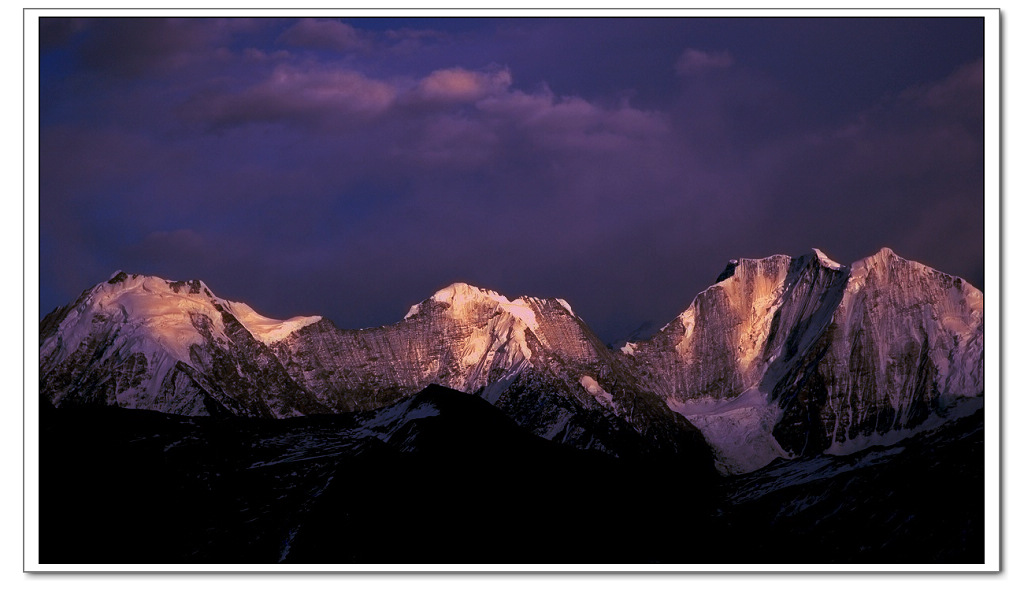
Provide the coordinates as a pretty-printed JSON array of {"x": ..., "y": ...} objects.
[
  {"x": 794, "y": 356},
  {"x": 906, "y": 343},
  {"x": 760, "y": 314},
  {"x": 780, "y": 357}
]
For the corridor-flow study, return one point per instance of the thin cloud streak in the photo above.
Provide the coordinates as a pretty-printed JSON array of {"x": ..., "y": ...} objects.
[{"x": 694, "y": 61}]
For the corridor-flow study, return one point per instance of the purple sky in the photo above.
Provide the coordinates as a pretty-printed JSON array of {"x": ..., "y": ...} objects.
[{"x": 350, "y": 168}]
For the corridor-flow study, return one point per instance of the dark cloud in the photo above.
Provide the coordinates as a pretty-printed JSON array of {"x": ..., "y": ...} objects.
[
  {"x": 291, "y": 94},
  {"x": 332, "y": 34},
  {"x": 517, "y": 155},
  {"x": 131, "y": 47},
  {"x": 56, "y": 32}
]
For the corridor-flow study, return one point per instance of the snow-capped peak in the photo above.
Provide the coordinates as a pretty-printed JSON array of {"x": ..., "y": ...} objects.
[
  {"x": 458, "y": 295},
  {"x": 884, "y": 256},
  {"x": 461, "y": 293},
  {"x": 163, "y": 312},
  {"x": 121, "y": 281},
  {"x": 878, "y": 261},
  {"x": 825, "y": 260},
  {"x": 160, "y": 312},
  {"x": 882, "y": 262},
  {"x": 461, "y": 296}
]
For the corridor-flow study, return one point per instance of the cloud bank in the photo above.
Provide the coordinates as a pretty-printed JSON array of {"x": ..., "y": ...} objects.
[{"x": 323, "y": 167}]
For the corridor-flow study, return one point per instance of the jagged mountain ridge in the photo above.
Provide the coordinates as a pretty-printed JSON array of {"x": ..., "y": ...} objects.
[
  {"x": 533, "y": 358},
  {"x": 780, "y": 357},
  {"x": 794, "y": 356},
  {"x": 144, "y": 342}
]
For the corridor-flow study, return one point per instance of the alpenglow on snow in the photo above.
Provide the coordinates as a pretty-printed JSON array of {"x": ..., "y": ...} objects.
[{"x": 780, "y": 357}]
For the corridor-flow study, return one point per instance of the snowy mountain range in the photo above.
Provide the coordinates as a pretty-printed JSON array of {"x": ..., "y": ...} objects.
[{"x": 780, "y": 357}]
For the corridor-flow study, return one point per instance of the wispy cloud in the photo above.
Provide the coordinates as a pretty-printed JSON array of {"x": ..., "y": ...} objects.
[{"x": 695, "y": 61}]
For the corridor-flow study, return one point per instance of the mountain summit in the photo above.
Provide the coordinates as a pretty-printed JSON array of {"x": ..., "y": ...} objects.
[
  {"x": 792, "y": 356},
  {"x": 143, "y": 342}
]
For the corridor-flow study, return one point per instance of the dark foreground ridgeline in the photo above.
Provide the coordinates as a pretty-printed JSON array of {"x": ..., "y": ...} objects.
[{"x": 447, "y": 478}]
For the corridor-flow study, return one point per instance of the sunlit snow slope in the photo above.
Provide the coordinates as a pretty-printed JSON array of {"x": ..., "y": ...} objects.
[{"x": 143, "y": 342}]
